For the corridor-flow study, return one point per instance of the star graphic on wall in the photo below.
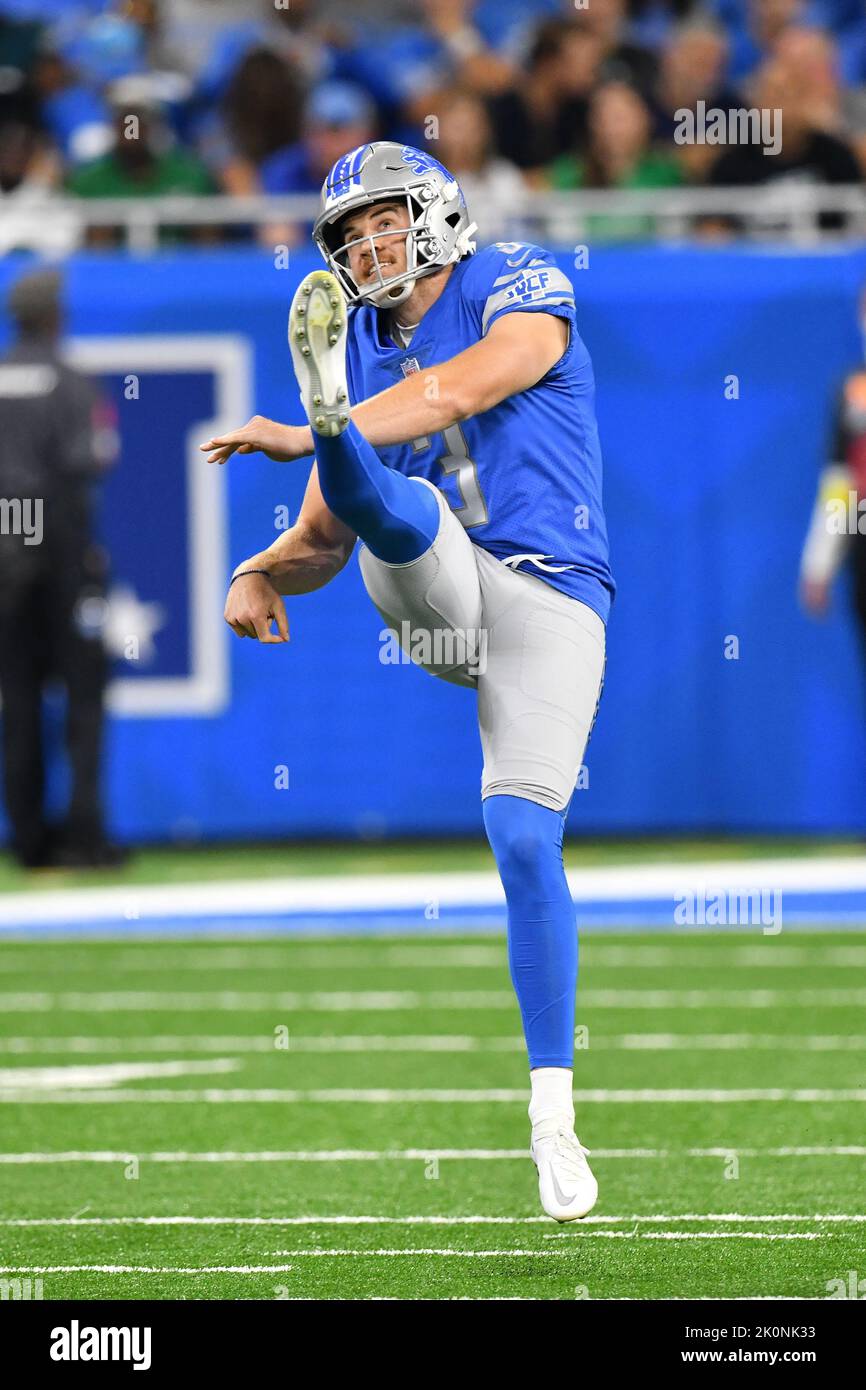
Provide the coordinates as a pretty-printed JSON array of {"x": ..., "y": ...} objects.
[{"x": 130, "y": 625}]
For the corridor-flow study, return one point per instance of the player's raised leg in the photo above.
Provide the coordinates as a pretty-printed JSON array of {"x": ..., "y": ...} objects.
[{"x": 394, "y": 516}]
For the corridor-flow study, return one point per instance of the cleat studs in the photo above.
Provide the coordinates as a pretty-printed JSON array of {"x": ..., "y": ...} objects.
[
  {"x": 300, "y": 333},
  {"x": 301, "y": 310},
  {"x": 317, "y": 400},
  {"x": 305, "y": 289},
  {"x": 334, "y": 303},
  {"x": 341, "y": 395},
  {"x": 344, "y": 419},
  {"x": 305, "y": 350},
  {"x": 319, "y": 421}
]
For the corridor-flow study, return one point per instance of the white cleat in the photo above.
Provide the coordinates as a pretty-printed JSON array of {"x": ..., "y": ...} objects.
[
  {"x": 317, "y": 338},
  {"x": 566, "y": 1185}
]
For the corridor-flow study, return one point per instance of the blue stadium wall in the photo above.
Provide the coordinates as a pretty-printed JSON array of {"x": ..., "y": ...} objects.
[{"x": 707, "y": 498}]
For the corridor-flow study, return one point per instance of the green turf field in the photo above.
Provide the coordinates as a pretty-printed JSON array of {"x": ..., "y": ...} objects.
[{"x": 308, "y": 1171}]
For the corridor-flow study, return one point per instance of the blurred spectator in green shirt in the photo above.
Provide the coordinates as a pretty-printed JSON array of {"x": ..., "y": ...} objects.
[
  {"x": 143, "y": 163},
  {"x": 618, "y": 154}
]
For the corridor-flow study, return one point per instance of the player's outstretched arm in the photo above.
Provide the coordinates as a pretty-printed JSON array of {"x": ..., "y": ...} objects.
[
  {"x": 518, "y": 350},
  {"x": 304, "y": 558},
  {"x": 282, "y": 443}
]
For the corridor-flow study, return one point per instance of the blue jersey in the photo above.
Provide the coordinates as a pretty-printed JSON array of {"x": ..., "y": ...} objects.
[{"x": 525, "y": 477}]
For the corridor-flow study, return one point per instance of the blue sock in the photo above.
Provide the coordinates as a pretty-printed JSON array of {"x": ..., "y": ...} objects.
[
  {"x": 396, "y": 518},
  {"x": 526, "y": 840}
]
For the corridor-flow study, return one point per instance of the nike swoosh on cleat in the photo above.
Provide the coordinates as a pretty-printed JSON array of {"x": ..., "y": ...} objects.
[{"x": 559, "y": 1194}]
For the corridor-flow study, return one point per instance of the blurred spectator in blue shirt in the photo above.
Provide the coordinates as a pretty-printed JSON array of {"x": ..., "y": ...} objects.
[
  {"x": 103, "y": 47},
  {"x": 59, "y": 9},
  {"x": 339, "y": 116},
  {"x": 75, "y": 114},
  {"x": 754, "y": 26}
]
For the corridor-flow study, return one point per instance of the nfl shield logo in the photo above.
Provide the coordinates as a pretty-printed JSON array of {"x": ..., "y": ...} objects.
[{"x": 410, "y": 365}]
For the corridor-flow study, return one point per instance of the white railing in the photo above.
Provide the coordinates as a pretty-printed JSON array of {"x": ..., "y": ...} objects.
[{"x": 784, "y": 211}]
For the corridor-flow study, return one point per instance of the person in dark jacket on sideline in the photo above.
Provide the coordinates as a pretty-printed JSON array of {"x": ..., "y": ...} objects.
[{"x": 53, "y": 435}]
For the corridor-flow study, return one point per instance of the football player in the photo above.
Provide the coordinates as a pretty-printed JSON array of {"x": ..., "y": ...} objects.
[{"x": 451, "y": 411}]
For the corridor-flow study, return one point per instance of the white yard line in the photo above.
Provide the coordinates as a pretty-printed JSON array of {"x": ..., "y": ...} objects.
[
  {"x": 407, "y": 1155},
  {"x": 799, "y": 1151},
  {"x": 732, "y": 1218},
  {"x": 331, "y": 954},
  {"x": 328, "y": 1001},
  {"x": 376, "y": 1001},
  {"x": 426, "y": 1042},
  {"x": 726, "y": 1235},
  {"x": 770, "y": 956},
  {"x": 730, "y": 1042},
  {"x": 107, "y": 1073},
  {"x": 705, "y": 1235},
  {"x": 176, "y": 956},
  {"x": 144, "y": 1269},
  {"x": 264, "y": 1095},
  {"x": 410, "y": 1252}
]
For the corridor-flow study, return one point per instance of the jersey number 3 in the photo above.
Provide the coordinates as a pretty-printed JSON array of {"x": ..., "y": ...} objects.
[{"x": 473, "y": 508}]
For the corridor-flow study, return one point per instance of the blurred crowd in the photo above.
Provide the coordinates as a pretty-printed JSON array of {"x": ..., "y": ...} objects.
[{"x": 120, "y": 98}]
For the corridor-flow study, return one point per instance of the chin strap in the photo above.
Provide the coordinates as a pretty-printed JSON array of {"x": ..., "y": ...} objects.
[{"x": 385, "y": 299}]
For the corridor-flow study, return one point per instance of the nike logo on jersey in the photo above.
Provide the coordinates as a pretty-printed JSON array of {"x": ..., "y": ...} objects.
[{"x": 514, "y": 560}]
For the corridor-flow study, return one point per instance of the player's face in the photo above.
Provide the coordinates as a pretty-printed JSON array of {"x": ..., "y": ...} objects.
[{"x": 387, "y": 222}]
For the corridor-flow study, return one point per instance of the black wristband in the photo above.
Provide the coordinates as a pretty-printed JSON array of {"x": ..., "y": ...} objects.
[{"x": 244, "y": 572}]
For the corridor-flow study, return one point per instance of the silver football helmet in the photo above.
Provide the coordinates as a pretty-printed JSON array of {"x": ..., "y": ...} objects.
[{"x": 439, "y": 229}]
